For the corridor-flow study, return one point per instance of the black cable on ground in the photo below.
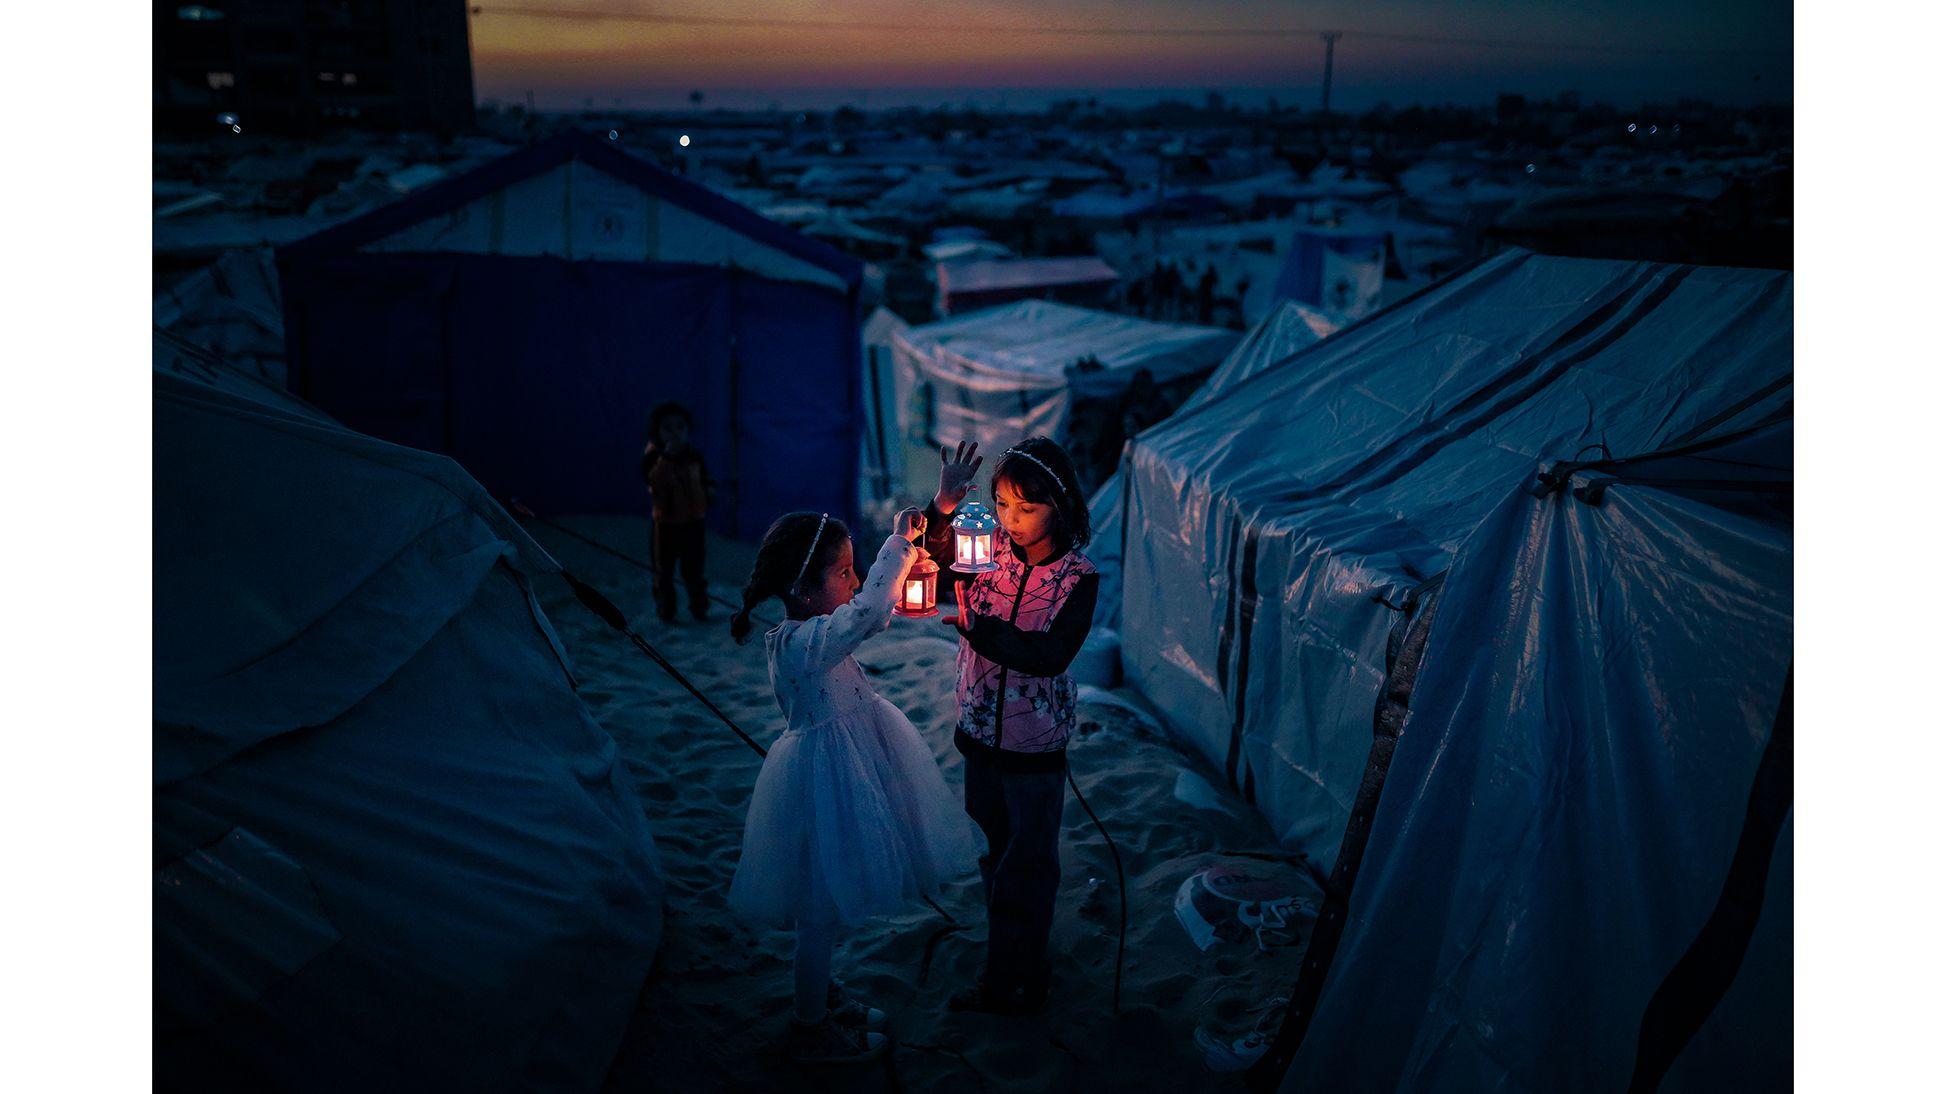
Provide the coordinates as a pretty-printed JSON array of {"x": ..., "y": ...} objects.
[
  {"x": 1121, "y": 885},
  {"x": 592, "y": 599},
  {"x": 525, "y": 513}
]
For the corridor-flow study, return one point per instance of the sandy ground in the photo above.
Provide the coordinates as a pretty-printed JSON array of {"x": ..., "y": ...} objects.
[{"x": 713, "y": 1013}]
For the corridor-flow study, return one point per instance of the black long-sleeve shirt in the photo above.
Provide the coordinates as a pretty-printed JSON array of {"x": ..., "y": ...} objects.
[
  {"x": 1039, "y": 653},
  {"x": 1036, "y": 653}
]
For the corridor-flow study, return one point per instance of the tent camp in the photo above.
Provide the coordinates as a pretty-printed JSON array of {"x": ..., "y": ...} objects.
[
  {"x": 1574, "y": 869},
  {"x": 1013, "y": 371},
  {"x": 392, "y": 849},
  {"x": 1288, "y": 328},
  {"x": 967, "y": 285},
  {"x": 1276, "y": 528},
  {"x": 524, "y": 317}
]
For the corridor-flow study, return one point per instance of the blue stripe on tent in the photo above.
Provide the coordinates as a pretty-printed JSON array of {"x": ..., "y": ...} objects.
[{"x": 449, "y": 194}]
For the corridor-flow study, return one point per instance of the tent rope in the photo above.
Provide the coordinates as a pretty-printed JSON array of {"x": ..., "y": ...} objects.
[{"x": 525, "y": 513}]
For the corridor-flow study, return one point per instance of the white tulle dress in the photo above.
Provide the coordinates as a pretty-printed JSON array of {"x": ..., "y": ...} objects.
[{"x": 850, "y": 817}]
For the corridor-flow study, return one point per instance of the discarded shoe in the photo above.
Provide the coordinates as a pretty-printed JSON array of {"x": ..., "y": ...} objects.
[{"x": 849, "y": 1011}]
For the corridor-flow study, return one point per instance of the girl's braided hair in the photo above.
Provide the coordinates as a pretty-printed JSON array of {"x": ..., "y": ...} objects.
[{"x": 780, "y": 558}]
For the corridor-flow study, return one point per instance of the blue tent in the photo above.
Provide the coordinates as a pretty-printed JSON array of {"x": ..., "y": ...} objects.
[
  {"x": 392, "y": 848},
  {"x": 523, "y": 319},
  {"x": 1574, "y": 870}
]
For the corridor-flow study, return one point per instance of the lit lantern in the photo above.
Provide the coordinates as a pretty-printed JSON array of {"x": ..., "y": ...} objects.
[
  {"x": 973, "y": 528},
  {"x": 919, "y": 594}
]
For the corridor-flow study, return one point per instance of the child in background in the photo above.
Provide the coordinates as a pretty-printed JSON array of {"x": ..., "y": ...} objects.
[
  {"x": 1020, "y": 625},
  {"x": 850, "y": 817},
  {"x": 672, "y": 469}
]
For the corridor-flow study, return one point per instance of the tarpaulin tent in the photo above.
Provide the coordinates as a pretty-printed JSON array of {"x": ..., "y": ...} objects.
[
  {"x": 1273, "y": 530},
  {"x": 1017, "y": 370},
  {"x": 523, "y": 318},
  {"x": 1341, "y": 270},
  {"x": 392, "y": 849},
  {"x": 882, "y": 467},
  {"x": 230, "y": 308},
  {"x": 1286, "y": 329},
  {"x": 1578, "y": 870}
]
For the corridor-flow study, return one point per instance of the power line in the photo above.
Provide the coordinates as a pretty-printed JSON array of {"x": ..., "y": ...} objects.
[{"x": 586, "y": 15}]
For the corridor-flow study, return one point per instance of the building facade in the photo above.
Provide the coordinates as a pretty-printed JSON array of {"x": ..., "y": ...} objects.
[{"x": 307, "y": 66}]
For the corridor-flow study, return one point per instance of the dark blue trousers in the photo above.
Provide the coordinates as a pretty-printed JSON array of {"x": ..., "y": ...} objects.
[{"x": 1020, "y": 812}]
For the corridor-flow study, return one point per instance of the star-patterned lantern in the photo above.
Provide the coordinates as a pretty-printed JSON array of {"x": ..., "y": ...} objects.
[{"x": 973, "y": 528}]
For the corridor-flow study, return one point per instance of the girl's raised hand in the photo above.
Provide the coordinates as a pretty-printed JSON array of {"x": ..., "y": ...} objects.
[
  {"x": 963, "y": 621},
  {"x": 911, "y": 523},
  {"x": 957, "y": 466}
]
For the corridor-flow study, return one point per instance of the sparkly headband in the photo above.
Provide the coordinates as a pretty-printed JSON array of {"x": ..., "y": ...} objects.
[
  {"x": 815, "y": 536},
  {"x": 1029, "y": 457}
]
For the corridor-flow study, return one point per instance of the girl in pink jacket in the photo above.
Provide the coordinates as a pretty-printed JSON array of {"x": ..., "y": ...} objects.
[{"x": 1020, "y": 625}]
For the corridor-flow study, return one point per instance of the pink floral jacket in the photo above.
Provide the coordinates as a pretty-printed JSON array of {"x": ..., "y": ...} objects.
[{"x": 1014, "y": 690}]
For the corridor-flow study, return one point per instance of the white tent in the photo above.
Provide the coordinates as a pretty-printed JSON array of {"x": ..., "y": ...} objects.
[
  {"x": 882, "y": 469},
  {"x": 1288, "y": 328},
  {"x": 392, "y": 847},
  {"x": 1274, "y": 528},
  {"x": 1017, "y": 370}
]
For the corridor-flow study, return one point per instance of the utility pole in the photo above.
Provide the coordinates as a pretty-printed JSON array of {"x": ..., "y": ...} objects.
[{"x": 1330, "y": 42}]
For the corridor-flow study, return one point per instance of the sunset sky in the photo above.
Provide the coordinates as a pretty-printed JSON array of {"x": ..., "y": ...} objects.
[{"x": 894, "y": 52}]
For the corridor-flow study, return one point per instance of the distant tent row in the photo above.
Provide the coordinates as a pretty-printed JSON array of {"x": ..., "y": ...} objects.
[
  {"x": 1005, "y": 373},
  {"x": 392, "y": 848},
  {"x": 1594, "y": 663},
  {"x": 525, "y": 317},
  {"x": 967, "y": 285}
]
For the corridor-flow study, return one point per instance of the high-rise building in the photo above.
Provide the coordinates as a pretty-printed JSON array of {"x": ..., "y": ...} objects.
[{"x": 304, "y": 66}]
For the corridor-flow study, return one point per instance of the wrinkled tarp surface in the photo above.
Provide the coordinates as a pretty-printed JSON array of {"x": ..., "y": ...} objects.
[
  {"x": 1285, "y": 330},
  {"x": 392, "y": 848},
  {"x": 1271, "y": 527},
  {"x": 1005, "y": 373},
  {"x": 1599, "y": 688}
]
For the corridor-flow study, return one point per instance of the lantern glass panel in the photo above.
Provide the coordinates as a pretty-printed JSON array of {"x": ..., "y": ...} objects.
[{"x": 918, "y": 594}]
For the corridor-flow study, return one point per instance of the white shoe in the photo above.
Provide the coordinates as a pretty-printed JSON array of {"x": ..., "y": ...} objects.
[
  {"x": 849, "y": 1011},
  {"x": 827, "y": 1042}
]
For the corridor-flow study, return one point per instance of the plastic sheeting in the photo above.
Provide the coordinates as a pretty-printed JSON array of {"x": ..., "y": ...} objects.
[
  {"x": 462, "y": 321},
  {"x": 1006, "y": 373},
  {"x": 881, "y": 468},
  {"x": 1341, "y": 270},
  {"x": 392, "y": 848},
  {"x": 1271, "y": 528},
  {"x": 1578, "y": 772},
  {"x": 1287, "y": 329}
]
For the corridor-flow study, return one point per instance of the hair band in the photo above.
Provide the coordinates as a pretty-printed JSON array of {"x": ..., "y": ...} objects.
[
  {"x": 815, "y": 536},
  {"x": 1030, "y": 457}
]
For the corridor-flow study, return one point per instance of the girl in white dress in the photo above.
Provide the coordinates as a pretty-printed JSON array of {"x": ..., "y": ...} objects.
[{"x": 850, "y": 817}]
